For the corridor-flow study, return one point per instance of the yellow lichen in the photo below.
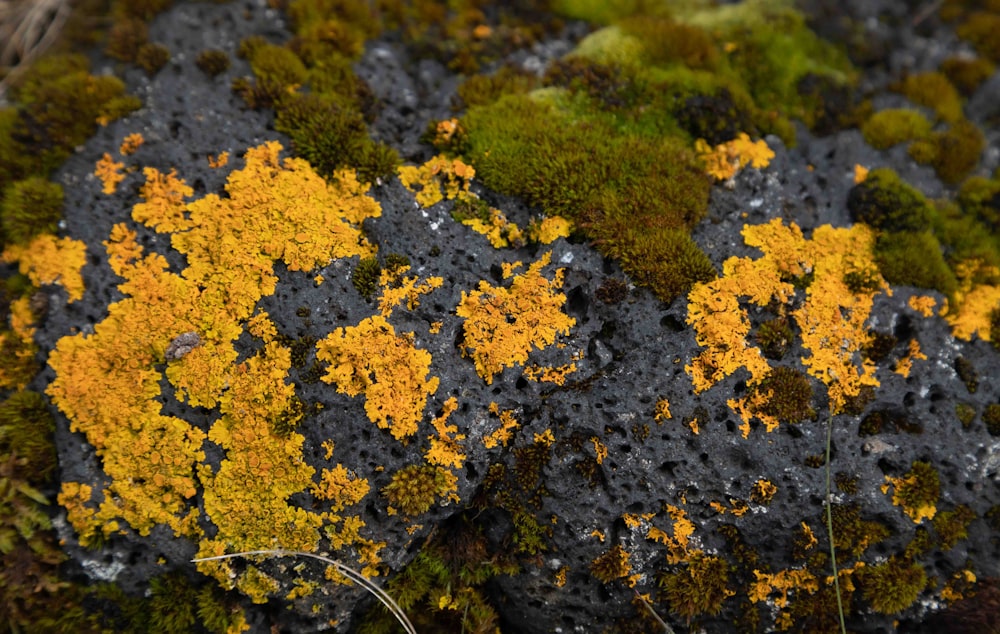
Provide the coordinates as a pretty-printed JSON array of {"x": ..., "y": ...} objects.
[
  {"x": 215, "y": 162},
  {"x": 970, "y": 314},
  {"x": 860, "y": 173},
  {"x": 832, "y": 317},
  {"x": 51, "y": 260},
  {"x": 439, "y": 172},
  {"x": 396, "y": 288},
  {"x": 782, "y": 582},
  {"x": 371, "y": 358},
  {"x": 679, "y": 543},
  {"x": 341, "y": 487},
  {"x": 108, "y": 382},
  {"x": 109, "y": 172},
  {"x": 726, "y": 159},
  {"x": 445, "y": 448},
  {"x": 498, "y": 230},
  {"x": 600, "y": 449},
  {"x": 549, "y": 229},
  {"x": 130, "y": 144},
  {"x": 905, "y": 364},
  {"x": 662, "y": 411},
  {"x": 549, "y": 374},
  {"x": 923, "y": 304},
  {"x": 502, "y": 325},
  {"x": 502, "y": 435},
  {"x": 763, "y": 492}
]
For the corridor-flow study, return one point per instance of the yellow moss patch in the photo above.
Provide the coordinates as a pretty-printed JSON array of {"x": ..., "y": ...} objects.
[
  {"x": 371, "y": 358},
  {"x": 51, "y": 260},
  {"x": 502, "y": 325},
  {"x": 832, "y": 317}
]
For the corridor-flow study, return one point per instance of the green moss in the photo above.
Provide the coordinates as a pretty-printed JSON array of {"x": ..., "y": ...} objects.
[
  {"x": 893, "y": 586},
  {"x": 612, "y": 565},
  {"x": 967, "y": 373},
  {"x": 718, "y": 115},
  {"x": 415, "y": 488},
  {"x": 933, "y": 90},
  {"x": 791, "y": 395},
  {"x": 275, "y": 66},
  {"x": 666, "y": 41},
  {"x": 887, "y": 128},
  {"x": 886, "y": 202},
  {"x": 152, "y": 57},
  {"x": 952, "y": 526},
  {"x": 852, "y": 535},
  {"x": 980, "y": 29},
  {"x": 980, "y": 198},
  {"x": 967, "y": 74},
  {"x": 700, "y": 587},
  {"x": 956, "y": 151},
  {"x": 482, "y": 90},
  {"x": 914, "y": 259},
  {"x": 991, "y": 418},
  {"x": 846, "y": 483},
  {"x": 126, "y": 35},
  {"x": 774, "y": 337},
  {"x": 26, "y": 429},
  {"x": 965, "y": 413},
  {"x": 919, "y": 488},
  {"x": 212, "y": 62},
  {"x": 30, "y": 207}
]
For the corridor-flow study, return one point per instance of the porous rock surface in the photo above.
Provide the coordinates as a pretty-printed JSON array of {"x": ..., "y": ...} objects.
[{"x": 633, "y": 355}]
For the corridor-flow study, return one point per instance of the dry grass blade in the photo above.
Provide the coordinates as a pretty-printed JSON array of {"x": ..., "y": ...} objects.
[
  {"x": 350, "y": 573},
  {"x": 27, "y": 29}
]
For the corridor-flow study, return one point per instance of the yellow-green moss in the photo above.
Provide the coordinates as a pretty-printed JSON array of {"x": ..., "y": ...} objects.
[
  {"x": 893, "y": 586},
  {"x": 893, "y": 126}
]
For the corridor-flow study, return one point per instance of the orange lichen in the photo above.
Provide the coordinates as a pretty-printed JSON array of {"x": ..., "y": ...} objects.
[
  {"x": 396, "y": 288},
  {"x": 905, "y": 364},
  {"x": 502, "y": 325},
  {"x": 549, "y": 229},
  {"x": 832, "y": 317},
  {"x": 679, "y": 544},
  {"x": 662, "y": 411},
  {"x": 498, "y": 230},
  {"x": 549, "y": 374},
  {"x": 782, "y": 582},
  {"x": 726, "y": 159},
  {"x": 130, "y": 144},
  {"x": 923, "y": 304},
  {"x": 109, "y": 172},
  {"x": 341, "y": 487},
  {"x": 155, "y": 463},
  {"x": 763, "y": 492},
  {"x": 439, "y": 172},
  {"x": 503, "y": 434},
  {"x": 445, "y": 449},
  {"x": 215, "y": 162},
  {"x": 970, "y": 314},
  {"x": 600, "y": 449},
  {"x": 546, "y": 438},
  {"x": 613, "y": 565},
  {"x": 51, "y": 260},
  {"x": 371, "y": 358},
  {"x": 860, "y": 173}
]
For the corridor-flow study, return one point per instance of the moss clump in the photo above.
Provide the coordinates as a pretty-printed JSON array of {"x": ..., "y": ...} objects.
[
  {"x": 965, "y": 413},
  {"x": 365, "y": 277},
  {"x": 952, "y": 526},
  {"x": 991, "y": 418},
  {"x": 967, "y": 74},
  {"x": 152, "y": 57},
  {"x": 125, "y": 37},
  {"x": 886, "y": 202},
  {"x": 980, "y": 198},
  {"x": 612, "y": 565},
  {"x": 980, "y": 29},
  {"x": 790, "y": 395},
  {"x": 952, "y": 153},
  {"x": 934, "y": 91},
  {"x": 887, "y": 128},
  {"x": 212, "y": 62},
  {"x": 30, "y": 207},
  {"x": 914, "y": 259},
  {"x": 698, "y": 588},
  {"x": 893, "y": 586},
  {"x": 853, "y": 535},
  {"x": 917, "y": 491},
  {"x": 774, "y": 337},
  {"x": 26, "y": 429},
  {"x": 967, "y": 373},
  {"x": 414, "y": 489}
]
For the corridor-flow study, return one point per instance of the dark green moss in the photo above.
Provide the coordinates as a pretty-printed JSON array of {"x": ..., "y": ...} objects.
[
  {"x": 933, "y": 90},
  {"x": 980, "y": 29},
  {"x": 967, "y": 74},
  {"x": 415, "y": 488},
  {"x": 980, "y": 198},
  {"x": 666, "y": 41},
  {"x": 967, "y": 374},
  {"x": 152, "y": 57},
  {"x": 612, "y": 291},
  {"x": 852, "y": 535},
  {"x": 952, "y": 526},
  {"x": 366, "y": 276},
  {"x": 605, "y": 84},
  {"x": 855, "y": 405},
  {"x": 815, "y": 461},
  {"x": 774, "y": 337},
  {"x": 886, "y": 202},
  {"x": 212, "y": 62},
  {"x": 893, "y": 586},
  {"x": 717, "y": 117},
  {"x": 791, "y": 395},
  {"x": 965, "y": 413},
  {"x": 991, "y": 418},
  {"x": 884, "y": 421},
  {"x": 879, "y": 346},
  {"x": 30, "y": 207},
  {"x": 887, "y": 128},
  {"x": 125, "y": 37},
  {"x": 846, "y": 483},
  {"x": 956, "y": 151},
  {"x": 26, "y": 429},
  {"x": 700, "y": 587},
  {"x": 914, "y": 259}
]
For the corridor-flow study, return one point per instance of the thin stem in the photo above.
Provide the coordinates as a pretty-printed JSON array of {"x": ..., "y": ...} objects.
[
  {"x": 829, "y": 526},
  {"x": 350, "y": 573}
]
